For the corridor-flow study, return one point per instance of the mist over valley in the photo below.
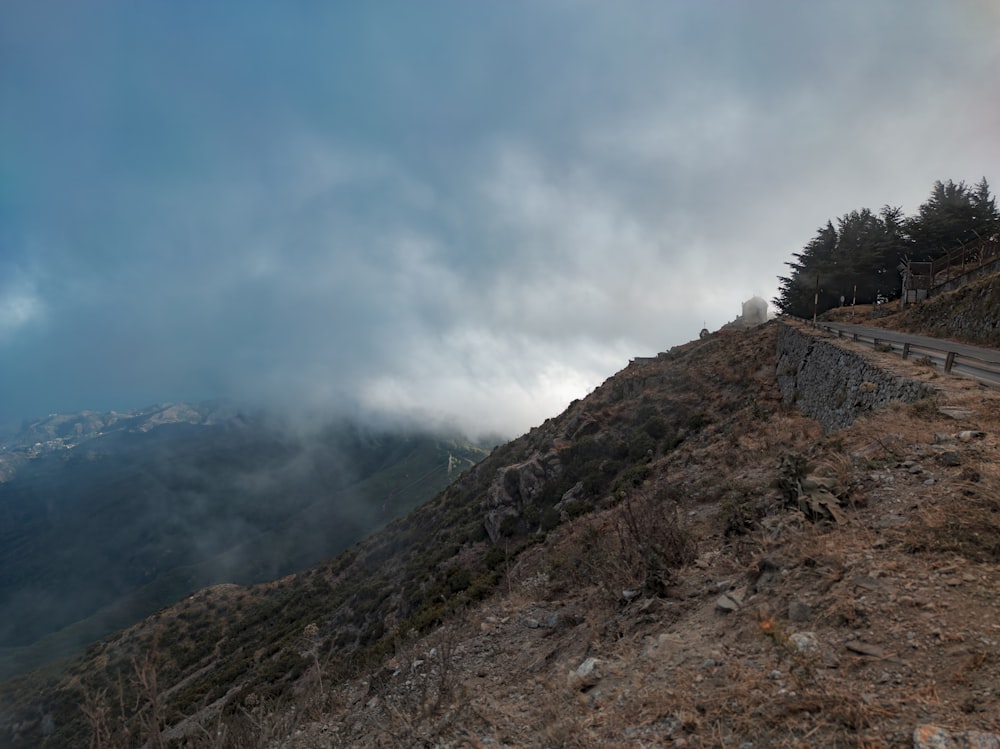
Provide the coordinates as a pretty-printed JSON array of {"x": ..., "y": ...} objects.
[{"x": 108, "y": 517}]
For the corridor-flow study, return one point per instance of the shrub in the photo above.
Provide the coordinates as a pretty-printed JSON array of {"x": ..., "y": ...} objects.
[
  {"x": 925, "y": 408},
  {"x": 653, "y": 543},
  {"x": 641, "y": 447},
  {"x": 656, "y": 427},
  {"x": 740, "y": 512},
  {"x": 632, "y": 478}
]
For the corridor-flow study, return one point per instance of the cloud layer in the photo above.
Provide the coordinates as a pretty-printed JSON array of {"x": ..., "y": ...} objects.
[{"x": 472, "y": 212}]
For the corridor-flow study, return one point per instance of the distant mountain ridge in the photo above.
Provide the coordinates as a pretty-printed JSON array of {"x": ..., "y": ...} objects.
[
  {"x": 64, "y": 431},
  {"x": 107, "y": 517}
]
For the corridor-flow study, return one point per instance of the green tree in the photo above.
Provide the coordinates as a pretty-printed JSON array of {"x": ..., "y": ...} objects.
[
  {"x": 954, "y": 215},
  {"x": 811, "y": 269},
  {"x": 863, "y": 251}
]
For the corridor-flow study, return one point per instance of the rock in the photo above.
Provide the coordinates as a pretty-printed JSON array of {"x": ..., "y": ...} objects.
[
  {"x": 728, "y": 602},
  {"x": 968, "y": 435},
  {"x": 799, "y": 611},
  {"x": 553, "y": 620},
  {"x": 650, "y": 605},
  {"x": 930, "y": 736},
  {"x": 864, "y": 648},
  {"x": 949, "y": 458},
  {"x": 586, "y": 675},
  {"x": 954, "y": 412},
  {"x": 804, "y": 642},
  {"x": 587, "y": 428},
  {"x": 532, "y": 623},
  {"x": 570, "y": 496},
  {"x": 587, "y": 668},
  {"x": 515, "y": 487},
  {"x": 867, "y": 582}
]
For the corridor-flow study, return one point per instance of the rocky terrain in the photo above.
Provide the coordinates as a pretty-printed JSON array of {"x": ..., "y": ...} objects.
[
  {"x": 858, "y": 608},
  {"x": 680, "y": 559}
]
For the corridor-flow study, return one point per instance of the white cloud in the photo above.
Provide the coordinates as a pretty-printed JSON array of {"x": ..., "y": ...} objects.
[
  {"x": 481, "y": 215},
  {"x": 20, "y": 307}
]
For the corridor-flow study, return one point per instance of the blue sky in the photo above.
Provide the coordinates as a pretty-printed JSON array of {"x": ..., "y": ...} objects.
[{"x": 471, "y": 210}]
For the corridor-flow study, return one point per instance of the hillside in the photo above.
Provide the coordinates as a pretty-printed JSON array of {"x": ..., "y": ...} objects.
[
  {"x": 679, "y": 559},
  {"x": 970, "y": 314},
  {"x": 109, "y": 517}
]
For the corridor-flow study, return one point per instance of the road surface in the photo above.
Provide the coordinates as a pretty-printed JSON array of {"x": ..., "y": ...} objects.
[{"x": 977, "y": 362}]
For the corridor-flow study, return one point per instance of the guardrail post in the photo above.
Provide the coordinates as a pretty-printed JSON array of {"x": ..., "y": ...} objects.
[
  {"x": 906, "y": 350},
  {"x": 949, "y": 361},
  {"x": 854, "y": 337}
]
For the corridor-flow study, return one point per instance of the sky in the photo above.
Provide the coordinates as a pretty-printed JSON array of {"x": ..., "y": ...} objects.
[{"x": 464, "y": 212}]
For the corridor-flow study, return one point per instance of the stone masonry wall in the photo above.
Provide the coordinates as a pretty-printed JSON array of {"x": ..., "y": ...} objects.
[{"x": 834, "y": 385}]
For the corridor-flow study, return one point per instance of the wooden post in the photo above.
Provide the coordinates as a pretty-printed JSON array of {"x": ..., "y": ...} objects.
[
  {"x": 949, "y": 361},
  {"x": 906, "y": 350},
  {"x": 816, "y": 301}
]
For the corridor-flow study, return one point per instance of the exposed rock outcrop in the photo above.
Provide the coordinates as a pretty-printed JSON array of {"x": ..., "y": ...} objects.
[{"x": 516, "y": 487}]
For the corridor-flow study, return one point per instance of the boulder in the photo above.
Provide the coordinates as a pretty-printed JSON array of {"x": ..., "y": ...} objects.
[
  {"x": 516, "y": 486},
  {"x": 930, "y": 736}
]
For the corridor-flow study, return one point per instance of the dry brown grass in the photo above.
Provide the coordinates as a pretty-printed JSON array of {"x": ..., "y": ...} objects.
[{"x": 964, "y": 521}]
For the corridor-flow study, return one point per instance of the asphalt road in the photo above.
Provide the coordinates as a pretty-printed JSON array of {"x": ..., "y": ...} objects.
[{"x": 973, "y": 361}]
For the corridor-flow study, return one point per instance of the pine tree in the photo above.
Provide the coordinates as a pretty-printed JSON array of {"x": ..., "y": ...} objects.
[
  {"x": 953, "y": 216},
  {"x": 864, "y": 251}
]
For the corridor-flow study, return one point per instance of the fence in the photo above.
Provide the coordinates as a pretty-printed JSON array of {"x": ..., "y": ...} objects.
[{"x": 921, "y": 279}]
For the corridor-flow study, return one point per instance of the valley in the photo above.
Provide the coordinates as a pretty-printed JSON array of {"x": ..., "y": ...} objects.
[{"x": 109, "y": 517}]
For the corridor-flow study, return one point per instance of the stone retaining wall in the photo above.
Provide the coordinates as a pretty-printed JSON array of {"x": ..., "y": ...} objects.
[{"x": 834, "y": 385}]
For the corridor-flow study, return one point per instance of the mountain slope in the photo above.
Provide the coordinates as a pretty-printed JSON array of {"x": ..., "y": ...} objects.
[
  {"x": 109, "y": 517},
  {"x": 679, "y": 559}
]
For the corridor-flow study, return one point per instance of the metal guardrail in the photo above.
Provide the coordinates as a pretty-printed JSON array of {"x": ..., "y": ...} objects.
[{"x": 951, "y": 360}]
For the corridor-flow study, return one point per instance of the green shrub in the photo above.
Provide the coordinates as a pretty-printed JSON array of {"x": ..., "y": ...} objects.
[
  {"x": 641, "y": 447},
  {"x": 740, "y": 513},
  {"x": 671, "y": 441},
  {"x": 656, "y": 427},
  {"x": 697, "y": 421},
  {"x": 495, "y": 556},
  {"x": 632, "y": 478}
]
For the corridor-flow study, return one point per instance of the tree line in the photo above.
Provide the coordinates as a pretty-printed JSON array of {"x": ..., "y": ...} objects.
[{"x": 858, "y": 256}]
